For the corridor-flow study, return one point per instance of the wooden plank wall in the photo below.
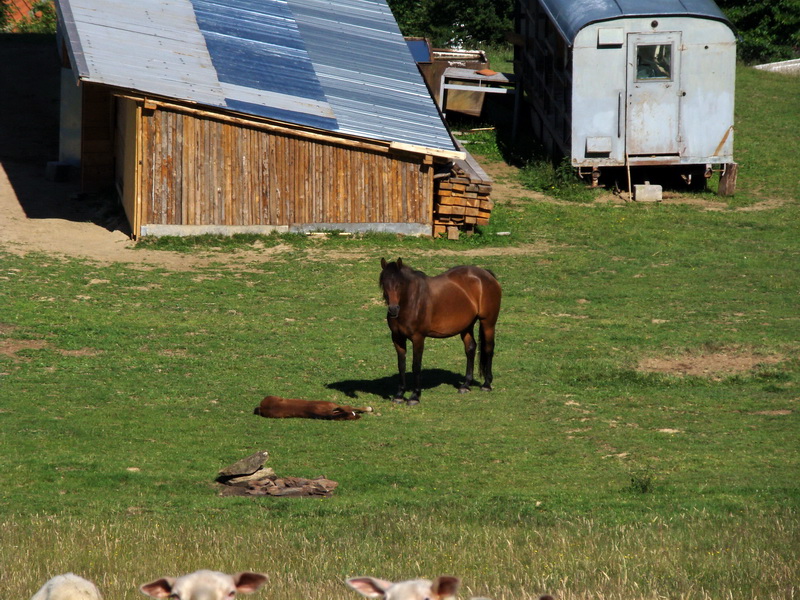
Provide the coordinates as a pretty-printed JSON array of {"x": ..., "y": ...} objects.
[{"x": 197, "y": 170}]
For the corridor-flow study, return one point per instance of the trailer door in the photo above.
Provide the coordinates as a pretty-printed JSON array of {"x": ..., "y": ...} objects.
[{"x": 653, "y": 110}]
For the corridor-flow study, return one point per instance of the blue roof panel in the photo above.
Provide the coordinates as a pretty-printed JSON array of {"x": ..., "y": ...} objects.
[
  {"x": 371, "y": 80},
  {"x": 420, "y": 50},
  {"x": 255, "y": 43}
]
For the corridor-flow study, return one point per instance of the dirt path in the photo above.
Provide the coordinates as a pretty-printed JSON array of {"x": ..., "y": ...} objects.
[
  {"x": 67, "y": 228},
  {"x": 37, "y": 215}
]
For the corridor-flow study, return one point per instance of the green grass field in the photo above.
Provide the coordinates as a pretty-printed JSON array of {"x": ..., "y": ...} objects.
[{"x": 641, "y": 440}]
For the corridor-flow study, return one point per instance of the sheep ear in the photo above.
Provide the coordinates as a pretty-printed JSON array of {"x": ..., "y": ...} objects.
[
  {"x": 247, "y": 582},
  {"x": 369, "y": 586},
  {"x": 161, "y": 588},
  {"x": 446, "y": 586}
]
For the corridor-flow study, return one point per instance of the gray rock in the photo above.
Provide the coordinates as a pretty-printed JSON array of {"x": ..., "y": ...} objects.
[{"x": 246, "y": 466}]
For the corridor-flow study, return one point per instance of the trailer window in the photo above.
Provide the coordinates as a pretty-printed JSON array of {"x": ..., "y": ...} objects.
[{"x": 653, "y": 61}]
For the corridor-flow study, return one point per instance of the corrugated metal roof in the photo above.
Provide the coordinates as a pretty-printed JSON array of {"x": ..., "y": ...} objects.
[
  {"x": 570, "y": 16},
  {"x": 367, "y": 71},
  {"x": 340, "y": 66}
]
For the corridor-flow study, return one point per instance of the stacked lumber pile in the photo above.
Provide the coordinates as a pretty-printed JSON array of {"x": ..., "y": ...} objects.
[{"x": 462, "y": 199}]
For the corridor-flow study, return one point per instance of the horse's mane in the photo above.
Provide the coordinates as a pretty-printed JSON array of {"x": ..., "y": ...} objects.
[
  {"x": 392, "y": 270},
  {"x": 413, "y": 272}
]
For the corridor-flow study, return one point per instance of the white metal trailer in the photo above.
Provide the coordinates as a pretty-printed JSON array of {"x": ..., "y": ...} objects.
[{"x": 626, "y": 83}]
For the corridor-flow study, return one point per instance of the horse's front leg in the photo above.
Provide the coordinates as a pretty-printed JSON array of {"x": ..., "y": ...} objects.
[
  {"x": 418, "y": 346},
  {"x": 468, "y": 337},
  {"x": 400, "y": 347}
]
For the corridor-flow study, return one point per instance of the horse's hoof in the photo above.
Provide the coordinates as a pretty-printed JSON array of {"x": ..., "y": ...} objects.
[
  {"x": 463, "y": 390},
  {"x": 486, "y": 388},
  {"x": 398, "y": 399},
  {"x": 412, "y": 402}
]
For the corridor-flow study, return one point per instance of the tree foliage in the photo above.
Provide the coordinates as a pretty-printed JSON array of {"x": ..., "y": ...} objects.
[
  {"x": 42, "y": 18},
  {"x": 5, "y": 13},
  {"x": 770, "y": 29},
  {"x": 453, "y": 22}
]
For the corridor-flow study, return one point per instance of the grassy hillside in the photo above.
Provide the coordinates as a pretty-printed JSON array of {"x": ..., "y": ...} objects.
[{"x": 640, "y": 441}]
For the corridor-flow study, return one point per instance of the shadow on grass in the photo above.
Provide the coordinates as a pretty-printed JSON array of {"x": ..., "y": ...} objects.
[{"x": 385, "y": 387}]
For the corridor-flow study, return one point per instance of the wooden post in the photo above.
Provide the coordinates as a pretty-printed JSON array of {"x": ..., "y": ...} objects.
[{"x": 727, "y": 181}]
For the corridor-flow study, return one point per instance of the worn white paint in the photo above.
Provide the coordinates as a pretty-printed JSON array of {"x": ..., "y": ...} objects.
[
  {"x": 686, "y": 119},
  {"x": 69, "y": 135}
]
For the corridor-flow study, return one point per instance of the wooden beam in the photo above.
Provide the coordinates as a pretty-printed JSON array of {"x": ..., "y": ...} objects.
[
  {"x": 437, "y": 152},
  {"x": 727, "y": 180}
]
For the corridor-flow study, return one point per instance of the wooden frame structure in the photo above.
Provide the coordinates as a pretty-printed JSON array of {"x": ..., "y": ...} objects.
[{"x": 184, "y": 170}]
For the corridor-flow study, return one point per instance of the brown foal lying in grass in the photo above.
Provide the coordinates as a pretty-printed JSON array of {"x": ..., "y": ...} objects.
[{"x": 274, "y": 407}]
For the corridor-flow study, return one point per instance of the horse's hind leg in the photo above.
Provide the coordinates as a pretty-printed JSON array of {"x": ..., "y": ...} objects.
[
  {"x": 468, "y": 337},
  {"x": 487, "y": 353}
]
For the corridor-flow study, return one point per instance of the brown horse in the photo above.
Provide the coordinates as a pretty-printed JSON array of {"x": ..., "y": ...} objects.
[{"x": 440, "y": 307}]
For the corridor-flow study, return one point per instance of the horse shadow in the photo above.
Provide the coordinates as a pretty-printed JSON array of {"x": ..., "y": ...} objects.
[{"x": 386, "y": 386}]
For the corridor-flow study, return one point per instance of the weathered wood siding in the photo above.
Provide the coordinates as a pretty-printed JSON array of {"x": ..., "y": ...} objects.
[{"x": 199, "y": 170}]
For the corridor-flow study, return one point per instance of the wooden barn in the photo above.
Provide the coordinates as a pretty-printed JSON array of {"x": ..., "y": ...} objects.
[{"x": 229, "y": 116}]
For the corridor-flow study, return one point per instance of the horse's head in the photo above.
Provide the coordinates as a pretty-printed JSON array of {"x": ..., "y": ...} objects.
[{"x": 392, "y": 283}]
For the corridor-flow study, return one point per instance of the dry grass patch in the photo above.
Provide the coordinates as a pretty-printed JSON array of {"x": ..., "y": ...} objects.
[
  {"x": 11, "y": 346},
  {"x": 714, "y": 365},
  {"x": 686, "y": 556}
]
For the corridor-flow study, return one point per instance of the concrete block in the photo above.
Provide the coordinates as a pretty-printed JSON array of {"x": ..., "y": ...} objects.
[{"x": 646, "y": 192}]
